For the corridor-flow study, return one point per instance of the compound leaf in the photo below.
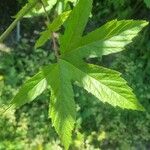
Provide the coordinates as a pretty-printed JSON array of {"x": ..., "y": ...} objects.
[{"x": 105, "y": 84}]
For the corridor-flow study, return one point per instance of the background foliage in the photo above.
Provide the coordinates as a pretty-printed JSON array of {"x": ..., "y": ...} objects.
[{"x": 100, "y": 126}]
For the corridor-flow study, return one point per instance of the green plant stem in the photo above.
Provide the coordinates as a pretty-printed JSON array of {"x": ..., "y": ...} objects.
[
  {"x": 14, "y": 23},
  {"x": 8, "y": 30},
  {"x": 53, "y": 34},
  {"x": 46, "y": 13}
]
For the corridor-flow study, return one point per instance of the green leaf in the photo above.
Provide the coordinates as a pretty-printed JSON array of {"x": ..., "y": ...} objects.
[
  {"x": 30, "y": 90},
  {"x": 26, "y": 8},
  {"x": 75, "y": 25},
  {"x": 45, "y": 36},
  {"x": 147, "y": 2},
  {"x": 105, "y": 84},
  {"x": 40, "y": 11},
  {"x": 62, "y": 105},
  {"x": 54, "y": 26},
  {"x": 110, "y": 38},
  {"x": 1, "y": 77}
]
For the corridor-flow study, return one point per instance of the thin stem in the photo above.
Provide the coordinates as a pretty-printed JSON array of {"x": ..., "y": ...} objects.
[
  {"x": 55, "y": 46},
  {"x": 53, "y": 33},
  {"x": 8, "y": 30},
  {"x": 48, "y": 19},
  {"x": 26, "y": 8}
]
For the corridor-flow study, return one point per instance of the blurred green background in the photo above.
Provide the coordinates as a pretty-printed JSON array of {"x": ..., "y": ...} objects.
[{"x": 98, "y": 126}]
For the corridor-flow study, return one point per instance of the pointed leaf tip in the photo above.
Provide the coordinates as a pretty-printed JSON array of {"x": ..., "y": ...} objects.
[
  {"x": 75, "y": 25},
  {"x": 110, "y": 38},
  {"x": 62, "y": 110},
  {"x": 105, "y": 84}
]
